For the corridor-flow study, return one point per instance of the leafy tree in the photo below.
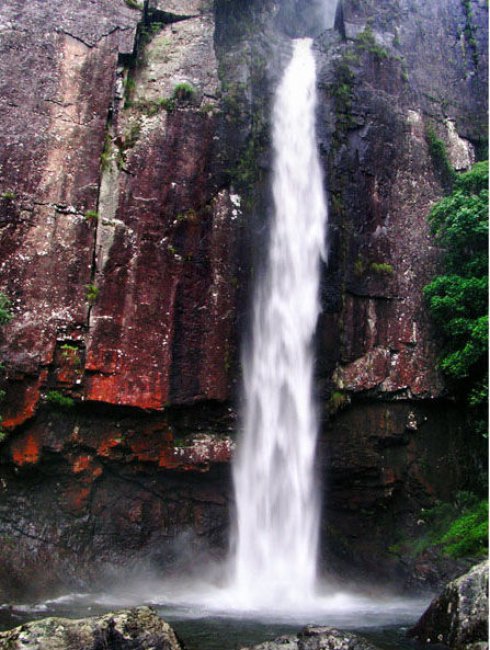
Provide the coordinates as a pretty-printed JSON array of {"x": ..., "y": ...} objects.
[{"x": 458, "y": 300}]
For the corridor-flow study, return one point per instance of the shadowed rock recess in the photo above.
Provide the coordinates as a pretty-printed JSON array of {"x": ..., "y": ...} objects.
[{"x": 134, "y": 205}]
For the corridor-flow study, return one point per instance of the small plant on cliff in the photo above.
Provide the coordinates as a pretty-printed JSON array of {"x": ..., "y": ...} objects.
[
  {"x": 92, "y": 293},
  {"x": 440, "y": 158},
  {"x": 5, "y": 309},
  {"x": 366, "y": 42},
  {"x": 184, "y": 92},
  {"x": 459, "y": 529},
  {"x": 337, "y": 402},
  {"x": 382, "y": 268},
  {"x": 132, "y": 4},
  {"x": 8, "y": 195},
  {"x": 91, "y": 215},
  {"x": 167, "y": 103},
  {"x": 468, "y": 534},
  {"x": 58, "y": 400}
]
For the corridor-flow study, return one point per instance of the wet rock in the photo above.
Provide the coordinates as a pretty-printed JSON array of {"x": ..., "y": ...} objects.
[
  {"x": 459, "y": 616},
  {"x": 134, "y": 629},
  {"x": 317, "y": 638}
]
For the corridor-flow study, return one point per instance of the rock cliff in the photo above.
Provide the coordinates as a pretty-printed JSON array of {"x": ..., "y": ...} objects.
[{"x": 134, "y": 202}]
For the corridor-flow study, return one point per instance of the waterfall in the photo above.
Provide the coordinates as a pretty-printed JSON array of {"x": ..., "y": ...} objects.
[{"x": 277, "y": 505}]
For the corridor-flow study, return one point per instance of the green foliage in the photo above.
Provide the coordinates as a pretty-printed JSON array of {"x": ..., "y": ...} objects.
[
  {"x": 133, "y": 4},
  {"x": 440, "y": 159},
  {"x": 70, "y": 353},
  {"x": 337, "y": 402},
  {"x": 468, "y": 534},
  {"x": 359, "y": 267},
  {"x": 8, "y": 195},
  {"x": 382, "y": 268},
  {"x": 167, "y": 104},
  {"x": 105, "y": 156},
  {"x": 151, "y": 107},
  {"x": 184, "y": 92},
  {"x": 91, "y": 215},
  {"x": 365, "y": 42},
  {"x": 129, "y": 88},
  {"x": 458, "y": 300},
  {"x": 91, "y": 293},
  {"x": 69, "y": 347},
  {"x": 459, "y": 529},
  {"x": 5, "y": 309},
  {"x": 58, "y": 400},
  {"x": 469, "y": 31},
  {"x": 343, "y": 92}
]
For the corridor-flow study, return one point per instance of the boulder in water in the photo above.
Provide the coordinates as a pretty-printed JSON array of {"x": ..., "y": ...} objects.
[
  {"x": 315, "y": 637},
  {"x": 129, "y": 629},
  {"x": 459, "y": 616}
]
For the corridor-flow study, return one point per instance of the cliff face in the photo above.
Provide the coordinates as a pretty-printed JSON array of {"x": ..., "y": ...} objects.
[{"x": 134, "y": 163}]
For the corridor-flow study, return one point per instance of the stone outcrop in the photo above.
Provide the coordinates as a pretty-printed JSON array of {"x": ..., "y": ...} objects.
[
  {"x": 87, "y": 498},
  {"x": 133, "y": 629},
  {"x": 458, "y": 617},
  {"x": 134, "y": 201},
  {"x": 317, "y": 638},
  {"x": 386, "y": 91}
]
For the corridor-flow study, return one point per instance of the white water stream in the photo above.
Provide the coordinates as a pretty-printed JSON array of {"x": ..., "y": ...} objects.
[{"x": 277, "y": 504}]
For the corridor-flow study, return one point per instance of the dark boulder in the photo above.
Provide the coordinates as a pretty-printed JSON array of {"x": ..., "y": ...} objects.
[{"x": 459, "y": 616}]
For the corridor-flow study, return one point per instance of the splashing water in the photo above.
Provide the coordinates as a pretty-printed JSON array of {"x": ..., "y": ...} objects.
[{"x": 277, "y": 506}]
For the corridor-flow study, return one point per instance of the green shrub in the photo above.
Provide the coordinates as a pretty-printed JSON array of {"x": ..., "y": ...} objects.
[
  {"x": 382, "y": 268},
  {"x": 337, "y": 402},
  {"x": 458, "y": 300},
  {"x": 8, "y": 195},
  {"x": 167, "y": 104},
  {"x": 133, "y": 4},
  {"x": 440, "y": 159},
  {"x": 92, "y": 293},
  {"x": 468, "y": 534},
  {"x": 184, "y": 92},
  {"x": 58, "y": 400},
  {"x": 91, "y": 215},
  {"x": 459, "y": 529},
  {"x": 5, "y": 309},
  {"x": 366, "y": 42}
]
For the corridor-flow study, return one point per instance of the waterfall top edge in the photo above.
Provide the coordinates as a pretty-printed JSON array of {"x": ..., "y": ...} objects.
[{"x": 304, "y": 42}]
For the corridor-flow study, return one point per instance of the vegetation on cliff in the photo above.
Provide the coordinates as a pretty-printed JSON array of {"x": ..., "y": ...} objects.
[
  {"x": 458, "y": 299},
  {"x": 458, "y": 302}
]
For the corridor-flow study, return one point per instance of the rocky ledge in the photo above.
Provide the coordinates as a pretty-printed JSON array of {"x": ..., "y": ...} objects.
[
  {"x": 131, "y": 629},
  {"x": 317, "y": 638},
  {"x": 459, "y": 616}
]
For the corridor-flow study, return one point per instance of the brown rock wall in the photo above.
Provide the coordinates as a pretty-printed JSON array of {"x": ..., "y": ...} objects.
[{"x": 119, "y": 239}]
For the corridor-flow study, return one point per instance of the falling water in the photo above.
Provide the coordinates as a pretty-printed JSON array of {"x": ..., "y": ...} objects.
[{"x": 277, "y": 506}]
